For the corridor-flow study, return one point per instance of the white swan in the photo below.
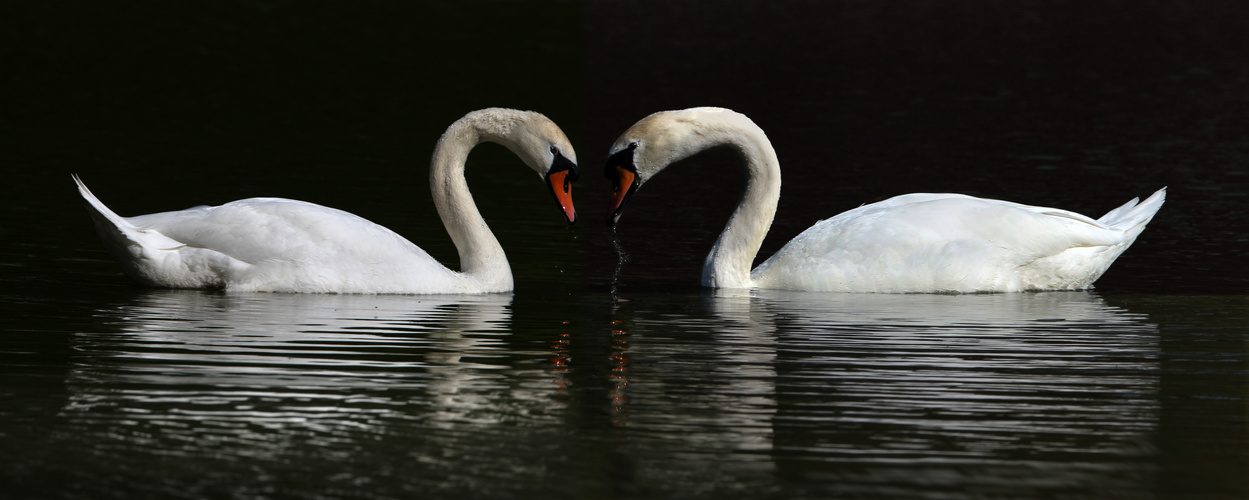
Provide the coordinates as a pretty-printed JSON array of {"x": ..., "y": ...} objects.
[
  {"x": 909, "y": 243},
  {"x": 280, "y": 245}
]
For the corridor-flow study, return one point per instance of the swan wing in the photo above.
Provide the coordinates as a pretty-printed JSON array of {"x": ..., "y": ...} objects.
[
  {"x": 946, "y": 243},
  {"x": 259, "y": 229},
  {"x": 289, "y": 245},
  {"x": 268, "y": 244}
]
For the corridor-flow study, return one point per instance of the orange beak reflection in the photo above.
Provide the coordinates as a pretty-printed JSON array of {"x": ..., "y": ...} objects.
[{"x": 561, "y": 187}]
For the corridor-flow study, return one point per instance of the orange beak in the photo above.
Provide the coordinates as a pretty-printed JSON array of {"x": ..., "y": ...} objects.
[
  {"x": 623, "y": 184},
  {"x": 561, "y": 187}
]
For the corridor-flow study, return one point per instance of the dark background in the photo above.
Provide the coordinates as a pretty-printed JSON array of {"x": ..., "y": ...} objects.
[{"x": 1077, "y": 105}]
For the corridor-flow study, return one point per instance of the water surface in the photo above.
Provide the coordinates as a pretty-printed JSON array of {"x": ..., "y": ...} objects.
[{"x": 186, "y": 393}]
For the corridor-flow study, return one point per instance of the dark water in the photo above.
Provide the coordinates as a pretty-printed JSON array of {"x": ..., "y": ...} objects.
[{"x": 599, "y": 378}]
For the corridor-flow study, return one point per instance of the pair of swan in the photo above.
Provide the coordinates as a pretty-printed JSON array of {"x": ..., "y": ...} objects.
[{"x": 909, "y": 243}]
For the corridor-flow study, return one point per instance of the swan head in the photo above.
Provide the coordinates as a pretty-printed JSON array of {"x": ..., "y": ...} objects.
[
  {"x": 546, "y": 149},
  {"x": 540, "y": 143},
  {"x": 657, "y": 141}
]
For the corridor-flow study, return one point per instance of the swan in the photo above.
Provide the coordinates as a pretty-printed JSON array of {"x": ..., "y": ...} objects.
[
  {"x": 910, "y": 243},
  {"x": 281, "y": 245}
]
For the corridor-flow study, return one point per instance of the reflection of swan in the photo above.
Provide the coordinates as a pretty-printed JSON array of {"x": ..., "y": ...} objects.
[
  {"x": 273, "y": 244},
  {"x": 339, "y": 383},
  {"x": 265, "y": 359},
  {"x": 1041, "y": 330},
  {"x": 319, "y": 339},
  {"x": 877, "y": 312},
  {"x": 909, "y": 243},
  {"x": 867, "y": 393}
]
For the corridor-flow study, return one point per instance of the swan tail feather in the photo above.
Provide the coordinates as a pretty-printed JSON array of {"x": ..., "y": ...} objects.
[
  {"x": 1118, "y": 212},
  {"x": 125, "y": 240},
  {"x": 1133, "y": 216},
  {"x": 100, "y": 212}
]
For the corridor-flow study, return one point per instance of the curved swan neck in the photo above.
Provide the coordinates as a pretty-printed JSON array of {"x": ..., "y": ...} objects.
[
  {"x": 481, "y": 256},
  {"x": 730, "y": 260}
]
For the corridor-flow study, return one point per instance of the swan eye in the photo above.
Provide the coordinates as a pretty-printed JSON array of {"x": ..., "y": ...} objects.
[{"x": 554, "y": 150}]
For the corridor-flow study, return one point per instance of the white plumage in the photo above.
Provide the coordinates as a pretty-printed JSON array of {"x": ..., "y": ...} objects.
[
  {"x": 281, "y": 245},
  {"x": 954, "y": 243},
  {"x": 909, "y": 243}
]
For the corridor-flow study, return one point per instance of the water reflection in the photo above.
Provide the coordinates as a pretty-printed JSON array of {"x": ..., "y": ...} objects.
[
  {"x": 321, "y": 380},
  {"x": 799, "y": 394},
  {"x": 913, "y": 395}
]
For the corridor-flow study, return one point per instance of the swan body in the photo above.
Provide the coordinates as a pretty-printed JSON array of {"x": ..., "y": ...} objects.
[
  {"x": 281, "y": 245},
  {"x": 919, "y": 242}
]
